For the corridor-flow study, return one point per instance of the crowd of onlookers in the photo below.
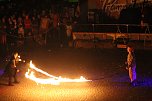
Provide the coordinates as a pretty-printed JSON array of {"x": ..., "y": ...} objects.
[
  {"x": 43, "y": 22},
  {"x": 40, "y": 25}
]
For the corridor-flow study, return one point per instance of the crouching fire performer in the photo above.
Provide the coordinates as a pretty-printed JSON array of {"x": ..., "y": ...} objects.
[{"x": 11, "y": 69}]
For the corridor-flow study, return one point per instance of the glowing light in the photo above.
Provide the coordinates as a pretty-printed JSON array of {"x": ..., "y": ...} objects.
[
  {"x": 51, "y": 80},
  {"x": 19, "y": 59}
]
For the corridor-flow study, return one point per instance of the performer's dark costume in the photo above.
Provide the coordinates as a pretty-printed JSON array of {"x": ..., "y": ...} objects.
[{"x": 11, "y": 71}]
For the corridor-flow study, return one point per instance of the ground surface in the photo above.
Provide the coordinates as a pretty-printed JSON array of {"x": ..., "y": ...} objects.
[{"x": 104, "y": 67}]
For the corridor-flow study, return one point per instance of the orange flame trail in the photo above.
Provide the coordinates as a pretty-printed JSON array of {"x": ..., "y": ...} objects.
[{"x": 52, "y": 80}]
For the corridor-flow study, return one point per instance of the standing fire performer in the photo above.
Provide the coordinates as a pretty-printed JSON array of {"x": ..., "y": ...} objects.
[
  {"x": 11, "y": 69},
  {"x": 131, "y": 65}
]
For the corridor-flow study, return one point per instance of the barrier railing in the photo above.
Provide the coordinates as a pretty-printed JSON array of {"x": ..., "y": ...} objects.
[
  {"x": 114, "y": 28},
  {"x": 114, "y": 32}
]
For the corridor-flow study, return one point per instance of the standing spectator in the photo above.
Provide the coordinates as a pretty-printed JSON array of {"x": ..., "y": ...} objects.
[
  {"x": 10, "y": 28},
  {"x": 69, "y": 31},
  {"x": 27, "y": 28},
  {"x": 20, "y": 31},
  {"x": 3, "y": 37},
  {"x": 3, "y": 31},
  {"x": 9, "y": 25},
  {"x": 55, "y": 26},
  {"x": 35, "y": 27},
  {"x": 77, "y": 13},
  {"x": 20, "y": 27},
  {"x": 14, "y": 34},
  {"x": 44, "y": 27}
]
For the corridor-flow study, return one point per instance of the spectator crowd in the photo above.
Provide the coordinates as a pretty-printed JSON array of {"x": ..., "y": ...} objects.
[{"x": 18, "y": 24}]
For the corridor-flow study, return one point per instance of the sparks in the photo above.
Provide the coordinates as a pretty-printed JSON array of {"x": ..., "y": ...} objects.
[{"x": 54, "y": 80}]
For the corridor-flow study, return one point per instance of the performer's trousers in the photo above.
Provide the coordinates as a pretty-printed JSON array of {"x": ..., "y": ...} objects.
[
  {"x": 132, "y": 73},
  {"x": 11, "y": 76}
]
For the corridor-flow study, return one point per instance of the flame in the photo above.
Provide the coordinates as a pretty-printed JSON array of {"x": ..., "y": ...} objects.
[
  {"x": 19, "y": 58},
  {"x": 54, "y": 80}
]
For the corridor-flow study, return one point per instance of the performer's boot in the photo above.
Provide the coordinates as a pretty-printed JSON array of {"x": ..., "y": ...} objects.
[
  {"x": 15, "y": 79},
  {"x": 133, "y": 83},
  {"x": 10, "y": 81},
  {"x": 10, "y": 84}
]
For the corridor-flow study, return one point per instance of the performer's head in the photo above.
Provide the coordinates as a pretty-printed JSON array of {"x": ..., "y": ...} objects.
[
  {"x": 15, "y": 54},
  {"x": 130, "y": 49}
]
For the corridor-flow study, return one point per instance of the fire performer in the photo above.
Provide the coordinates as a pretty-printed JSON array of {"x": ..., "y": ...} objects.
[
  {"x": 131, "y": 65},
  {"x": 11, "y": 69}
]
